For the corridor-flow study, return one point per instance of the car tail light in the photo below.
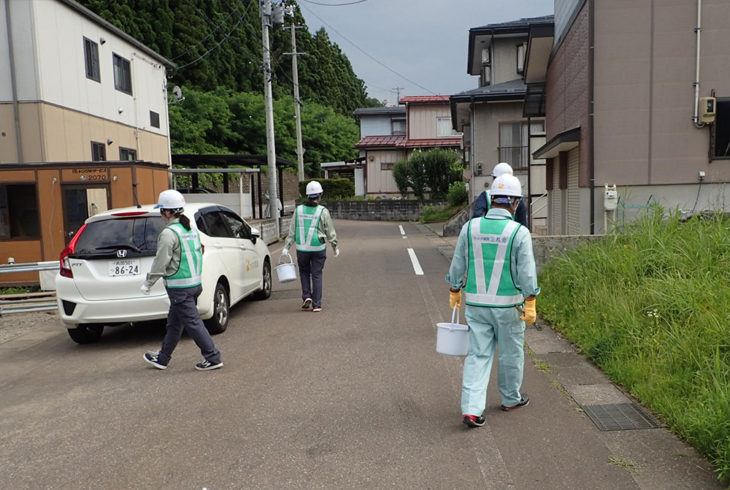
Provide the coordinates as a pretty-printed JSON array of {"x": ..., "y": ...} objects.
[{"x": 65, "y": 269}]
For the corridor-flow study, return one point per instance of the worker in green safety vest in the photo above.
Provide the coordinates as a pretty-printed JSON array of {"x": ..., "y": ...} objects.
[
  {"x": 311, "y": 228},
  {"x": 493, "y": 270},
  {"x": 179, "y": 262}
]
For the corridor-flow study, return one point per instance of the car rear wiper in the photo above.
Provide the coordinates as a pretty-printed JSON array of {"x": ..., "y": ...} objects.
[{"x": 120, "y": 245}]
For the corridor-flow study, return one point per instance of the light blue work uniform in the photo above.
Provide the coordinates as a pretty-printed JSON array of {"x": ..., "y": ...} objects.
[{"x": 500, "y": 322}]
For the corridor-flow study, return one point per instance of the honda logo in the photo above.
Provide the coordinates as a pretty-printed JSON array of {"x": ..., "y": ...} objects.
[{"x": 121, "y": 254}]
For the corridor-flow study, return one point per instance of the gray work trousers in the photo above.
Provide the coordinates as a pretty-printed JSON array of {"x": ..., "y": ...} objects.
[
  {"x": 184, "y": 315},
  {"x": 311, "y": 265}
]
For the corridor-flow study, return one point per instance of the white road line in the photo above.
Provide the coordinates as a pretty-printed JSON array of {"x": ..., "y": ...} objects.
[
  {"x": 414, "y": 260},
  {"x": 402, "y": 231}
]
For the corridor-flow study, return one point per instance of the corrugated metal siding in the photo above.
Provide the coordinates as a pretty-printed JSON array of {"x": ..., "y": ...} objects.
[
  {"x": 556, "y": 207},
  {"x": 422, "y": 120},
  {"x": 573, "y": 204}
]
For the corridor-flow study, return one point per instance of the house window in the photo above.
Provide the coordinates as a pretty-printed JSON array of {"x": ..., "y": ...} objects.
[
  {"x": 513, "y": 145},
  {"x": 154, "y": 119},
  {"x": 126, "y": 154},
  {"x": 98, "y": 151},
  {"x": 18, "y": 212},
  {"x": 122, "y": 74},
  {"x": 722, "y": 129},
  {"x": 443, "y": 128},
  {"x": 91, "y": 59},
  {"x": 521, "y": 48},
  {"x": 386, "y": 165},
  {"x": 398, "y": 126}
]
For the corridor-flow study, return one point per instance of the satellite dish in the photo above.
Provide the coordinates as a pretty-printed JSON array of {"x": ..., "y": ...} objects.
[{"x": 177, "y": 92}]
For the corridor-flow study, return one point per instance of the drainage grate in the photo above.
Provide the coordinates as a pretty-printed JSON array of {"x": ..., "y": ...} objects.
[{"x": 621, "y": 416}]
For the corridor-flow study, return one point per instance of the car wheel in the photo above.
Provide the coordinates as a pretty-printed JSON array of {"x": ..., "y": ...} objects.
[
  {"x": 86, "y": 334},
  {"x": 265, "y": 290},
  {"x": 219, "y": 321}
]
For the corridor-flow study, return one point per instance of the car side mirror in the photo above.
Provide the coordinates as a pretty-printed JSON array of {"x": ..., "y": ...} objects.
[{"x": 255, "y": 234}]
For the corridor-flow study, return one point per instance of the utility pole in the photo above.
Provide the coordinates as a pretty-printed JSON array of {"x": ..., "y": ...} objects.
[
  {"x": 267, "y": 15},
  {"x": 397, "y": 94},
  {"x": 297, "y": 103}
]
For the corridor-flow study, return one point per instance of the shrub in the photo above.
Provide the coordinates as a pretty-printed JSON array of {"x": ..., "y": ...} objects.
[
  {"x": 333, "y": 188},
  {"x": 458, "y": 194}
]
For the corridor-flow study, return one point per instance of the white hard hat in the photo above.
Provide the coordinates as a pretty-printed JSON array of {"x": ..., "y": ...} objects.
[
  {"x": 501, "y": 168},
  {"x": 314, "y": 188},
  {"x": 506, "y": 185},
  {"x": 170, "y": 199}
]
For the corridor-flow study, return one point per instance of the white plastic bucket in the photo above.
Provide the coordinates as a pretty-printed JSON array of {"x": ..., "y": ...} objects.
[
  {"x": 452, "y": 339},
  {"x": 286, "y": 272}
]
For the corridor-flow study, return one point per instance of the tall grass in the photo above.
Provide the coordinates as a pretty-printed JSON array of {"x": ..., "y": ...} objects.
[{"x": 651, "y": 306}]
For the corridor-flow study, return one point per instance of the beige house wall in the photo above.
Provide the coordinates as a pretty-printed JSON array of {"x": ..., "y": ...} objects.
[
  {"x": 381, "y": 181},
  {"x": 54, "y": 134},
  {"x": 422, "y": 119}
]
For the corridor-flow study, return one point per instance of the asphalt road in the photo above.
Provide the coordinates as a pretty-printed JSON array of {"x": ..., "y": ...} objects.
[{"x": 353, "y": 397}]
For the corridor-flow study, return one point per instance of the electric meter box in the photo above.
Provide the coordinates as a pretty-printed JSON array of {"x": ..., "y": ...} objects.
[
  {"x": 708, "y": 109},
  {"x": 610, "y": 198}
]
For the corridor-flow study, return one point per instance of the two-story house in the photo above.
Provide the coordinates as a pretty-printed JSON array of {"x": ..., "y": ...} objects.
[
  {"x": 492, "y": 117},
  {"x": 636, "y": 95},
  {"x": 390, "y": 134},
  {"x": 83, "y": 123}
]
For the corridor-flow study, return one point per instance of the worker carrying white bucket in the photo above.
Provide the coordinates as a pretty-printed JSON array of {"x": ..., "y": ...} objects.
[{"x": 494, "y": 265}]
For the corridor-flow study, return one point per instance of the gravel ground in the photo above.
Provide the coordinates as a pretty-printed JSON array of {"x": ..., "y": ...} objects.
[{"x": 17, "y": 324}]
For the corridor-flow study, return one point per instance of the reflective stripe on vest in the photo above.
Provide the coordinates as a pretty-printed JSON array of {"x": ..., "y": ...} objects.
[
  {"x": 489, "y": 201},
  {"x": 191, "y": 259},
  {"x": 306, "y": 231},
  {"x": 490, "y": 246}
]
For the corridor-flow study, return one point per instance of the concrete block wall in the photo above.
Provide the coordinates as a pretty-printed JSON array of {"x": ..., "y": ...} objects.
[
  {"x": 547, "y": 247},
  {"x": 385, "y": 210}
]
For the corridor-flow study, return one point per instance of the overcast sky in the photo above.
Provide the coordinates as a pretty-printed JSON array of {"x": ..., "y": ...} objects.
[{"x": 417, "y": 45}]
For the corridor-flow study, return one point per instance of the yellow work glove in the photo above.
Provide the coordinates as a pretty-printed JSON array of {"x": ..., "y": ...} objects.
[
  {"x": 454, "y": 299},
  {"x": 530, "y": 314}
]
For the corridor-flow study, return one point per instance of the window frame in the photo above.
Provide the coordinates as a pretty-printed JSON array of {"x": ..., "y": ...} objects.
[
  {"x": 386, "y": 166},
  {"x": 721, "y": 103},
  {"x": 122, "y": 68},
  {"x": 98, "y": 145},
  {"x": 6, "y": 205},
  {"x": 91, "y": 64},
  {"x": 130, "y": 151}
]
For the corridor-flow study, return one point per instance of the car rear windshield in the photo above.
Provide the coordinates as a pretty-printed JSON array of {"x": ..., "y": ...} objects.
[{"x": 138, "y": 236}]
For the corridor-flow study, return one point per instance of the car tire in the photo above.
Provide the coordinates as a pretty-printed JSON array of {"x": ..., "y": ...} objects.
[
  {"x": 221, "y": 310},
  {"x": 265, "y": 290},
  {"x": 86, "y": 334}
]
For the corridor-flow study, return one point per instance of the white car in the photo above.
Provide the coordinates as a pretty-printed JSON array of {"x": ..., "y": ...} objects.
[{"x": 107, "y": 260}]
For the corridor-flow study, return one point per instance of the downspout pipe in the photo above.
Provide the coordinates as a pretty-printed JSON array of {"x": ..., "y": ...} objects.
[
  {"x": 14, "y": 85},
  {"x": 698, "y": 34},
  {"x": 591, "y": 114}
]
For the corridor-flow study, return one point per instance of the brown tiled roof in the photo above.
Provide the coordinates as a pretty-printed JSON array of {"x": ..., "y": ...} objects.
[
  {"x": 431, "y": 142},
  {"x": 389, "y": 141},
  {"x": 424, "y": 99}
]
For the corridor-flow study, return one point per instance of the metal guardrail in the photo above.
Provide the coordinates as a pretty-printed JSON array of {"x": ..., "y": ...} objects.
[{"x": 29, "y": 302}]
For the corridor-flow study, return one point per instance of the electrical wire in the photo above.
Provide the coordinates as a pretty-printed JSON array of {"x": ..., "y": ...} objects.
[{"x": 369, "y": 56}]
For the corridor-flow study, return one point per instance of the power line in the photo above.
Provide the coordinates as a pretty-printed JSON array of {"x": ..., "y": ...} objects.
[
  {"x": 369, "y": 56},
  {"x": 225, "y": 38}
]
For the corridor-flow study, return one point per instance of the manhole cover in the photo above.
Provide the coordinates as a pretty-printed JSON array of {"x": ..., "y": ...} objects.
[{"x": 621, "y": 416}]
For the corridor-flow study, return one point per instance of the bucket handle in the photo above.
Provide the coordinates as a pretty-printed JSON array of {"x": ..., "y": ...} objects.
[
  {"x": 455, "y": 315},
  {"x": 287, "y": 255}
]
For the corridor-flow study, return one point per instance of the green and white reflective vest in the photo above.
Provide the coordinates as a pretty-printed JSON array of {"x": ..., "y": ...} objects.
[
  {"x": 307, "y": 220},
  {"x": 489, "y": 200},
  {"x": 191, "y": 259},
  {"x": 489, "y": 275}
]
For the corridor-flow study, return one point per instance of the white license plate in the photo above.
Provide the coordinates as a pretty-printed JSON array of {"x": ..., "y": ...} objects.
[{"x": 124, "y": 268}]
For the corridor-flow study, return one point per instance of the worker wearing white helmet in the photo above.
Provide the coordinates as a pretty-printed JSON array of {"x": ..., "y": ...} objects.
[
  {"x": 483, "y": 202},
  {"x": 310, "y": 229},
  {"x": 179, "y": 261},
  {"x": 494, "y": 265}
]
